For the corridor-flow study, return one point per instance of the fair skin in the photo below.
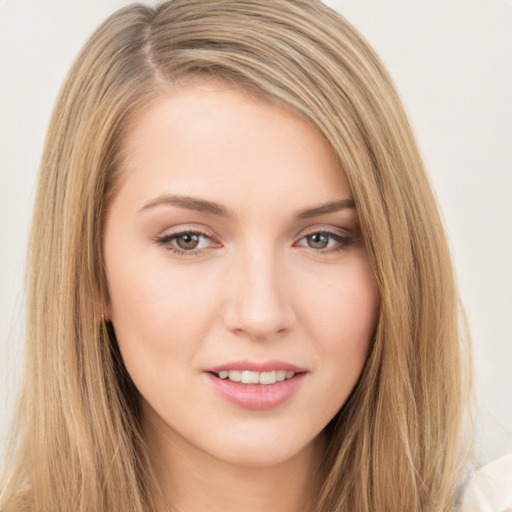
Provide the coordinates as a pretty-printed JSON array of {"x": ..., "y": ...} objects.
[{"x": 223, "y": 262}]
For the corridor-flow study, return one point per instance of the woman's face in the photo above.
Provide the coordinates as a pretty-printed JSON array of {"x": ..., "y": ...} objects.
[{"x": 241, "y": 293}]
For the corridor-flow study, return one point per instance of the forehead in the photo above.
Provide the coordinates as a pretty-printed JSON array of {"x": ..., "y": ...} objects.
[{"x": 208, "y": 137}]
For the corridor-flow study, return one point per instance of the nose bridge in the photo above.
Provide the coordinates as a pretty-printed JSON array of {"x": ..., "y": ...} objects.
[{"x": 260, "y": 299}]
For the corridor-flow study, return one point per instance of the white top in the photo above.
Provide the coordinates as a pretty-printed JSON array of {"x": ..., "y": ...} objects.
[{"x": 490, "y": 489}]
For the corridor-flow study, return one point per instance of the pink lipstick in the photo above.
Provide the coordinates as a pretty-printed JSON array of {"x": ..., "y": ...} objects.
[{"x": 256, "y": 386}]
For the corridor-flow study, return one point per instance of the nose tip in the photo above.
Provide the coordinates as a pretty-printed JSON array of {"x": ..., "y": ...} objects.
[{"x": 259, "y": 306}]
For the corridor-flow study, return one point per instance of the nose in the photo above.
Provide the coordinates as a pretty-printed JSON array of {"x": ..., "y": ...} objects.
[{"x": 259, "y": 303}]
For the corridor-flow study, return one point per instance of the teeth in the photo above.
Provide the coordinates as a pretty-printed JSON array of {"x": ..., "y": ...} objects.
[
  {"x": 249, "y": 377},
  {"x": 268, "y": 377},
  {"x": 235, "y": 375}
]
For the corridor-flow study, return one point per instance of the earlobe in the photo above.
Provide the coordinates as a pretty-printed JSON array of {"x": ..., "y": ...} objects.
[
  {"x": 106, "y": 312},
  {"x": 102, "y": 307}
]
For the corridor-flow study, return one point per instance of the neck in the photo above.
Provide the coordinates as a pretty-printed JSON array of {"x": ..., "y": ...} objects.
[{"x": 189, "y": 479}]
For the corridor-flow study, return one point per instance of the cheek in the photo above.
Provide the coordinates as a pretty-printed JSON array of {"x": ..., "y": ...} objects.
[
  {"x": 345, "y": 308},
  {"x": 161, "y": 324},
  {"x": 343, "y": 317},
  {"x": 158, "y": 312}
]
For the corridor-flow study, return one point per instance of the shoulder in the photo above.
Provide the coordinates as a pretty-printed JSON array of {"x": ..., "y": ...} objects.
[{"x": 490, "y": 489}]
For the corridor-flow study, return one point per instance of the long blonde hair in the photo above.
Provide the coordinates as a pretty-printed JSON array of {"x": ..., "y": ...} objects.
[{"x": 396, "y": 445}]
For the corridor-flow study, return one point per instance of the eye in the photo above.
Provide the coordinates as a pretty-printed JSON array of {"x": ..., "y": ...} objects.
[
  {"x": 324, "y": 241},
  {"x": 318, "y": 240},
  {"x": 187, "y": 242}
]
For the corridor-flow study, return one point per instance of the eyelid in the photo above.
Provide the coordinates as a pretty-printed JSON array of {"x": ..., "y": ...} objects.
[
  {"x": 344, "y": 232},
  {"x": 343, "y": 236},
  {"x": 166, "y": 237},
  {"x": 187, "y": 228}
]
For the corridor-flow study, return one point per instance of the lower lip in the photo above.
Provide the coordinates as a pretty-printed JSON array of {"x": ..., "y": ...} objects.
[{"x": 257, "y": 397}]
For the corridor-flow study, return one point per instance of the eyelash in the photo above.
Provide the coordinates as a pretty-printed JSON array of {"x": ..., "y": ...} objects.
[
  {"x": 343, "y": 241},
  {"x": 167, "y": 242}
]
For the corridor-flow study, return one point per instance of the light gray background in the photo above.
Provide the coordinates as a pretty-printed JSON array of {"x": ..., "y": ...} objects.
[{"x": 452, "y": 61}]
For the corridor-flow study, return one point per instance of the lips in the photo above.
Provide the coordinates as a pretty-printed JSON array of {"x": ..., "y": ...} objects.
[{"x": 256, "y": 386}]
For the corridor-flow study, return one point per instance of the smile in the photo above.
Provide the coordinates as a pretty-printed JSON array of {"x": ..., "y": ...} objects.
[
  {"x": 252, "y": 377},
  {"x": 251, "y": 392},
  {"x": 256, "y": 385}
]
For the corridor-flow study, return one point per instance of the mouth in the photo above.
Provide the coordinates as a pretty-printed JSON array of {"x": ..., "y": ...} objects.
[
  {"x": 257, "y": 386},
  {"x": 253, "y": 377}
]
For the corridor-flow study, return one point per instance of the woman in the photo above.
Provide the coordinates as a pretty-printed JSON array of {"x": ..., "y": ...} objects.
[{"x": 240, "y": 293}]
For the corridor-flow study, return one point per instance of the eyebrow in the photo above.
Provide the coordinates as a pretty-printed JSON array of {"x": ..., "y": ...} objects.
[
  {"x": 212, "y": 208},
  {"x": 331, "y": 207},
  {"x": 189, "y": 203}
]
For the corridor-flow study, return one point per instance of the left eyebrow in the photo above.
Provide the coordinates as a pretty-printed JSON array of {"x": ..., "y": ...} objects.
[
  {"x": 331, "y": 207},
  {"x": 189, "y": 203}
]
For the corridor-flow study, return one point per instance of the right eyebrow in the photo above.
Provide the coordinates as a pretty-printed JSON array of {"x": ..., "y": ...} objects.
[
  {"x": 331, "y": 207},
  {"x": 189, "y": 203}
]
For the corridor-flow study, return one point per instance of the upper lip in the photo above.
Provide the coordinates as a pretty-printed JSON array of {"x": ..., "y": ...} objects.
[{"x": 256, "y": 366}]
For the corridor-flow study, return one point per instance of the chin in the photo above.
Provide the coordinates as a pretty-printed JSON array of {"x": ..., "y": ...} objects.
[{"x": 265, "y": 450}]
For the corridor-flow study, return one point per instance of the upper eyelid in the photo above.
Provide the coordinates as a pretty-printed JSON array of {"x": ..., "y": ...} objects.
[
  {"x": 322, "y": 228},
  {"x": 180, "y": 230},
  {"x": 333, "y": 235},
  {"x": 167, "y": 237}
]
